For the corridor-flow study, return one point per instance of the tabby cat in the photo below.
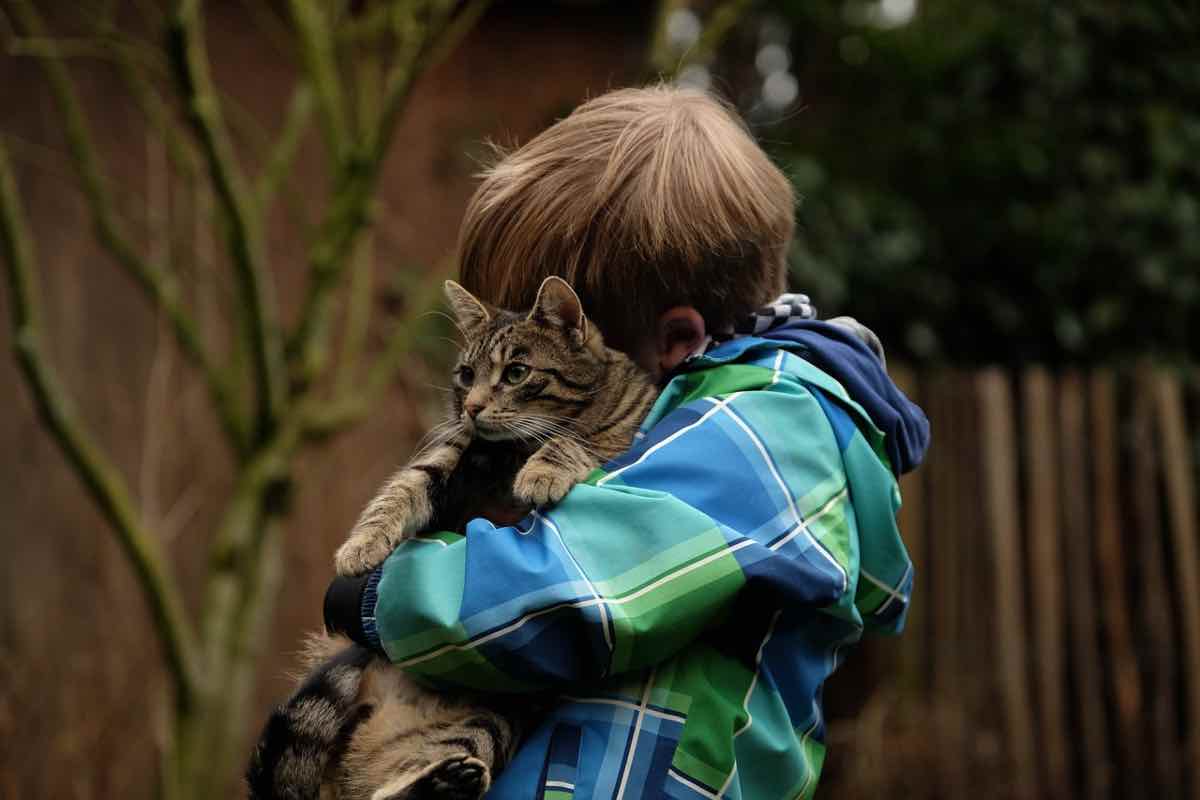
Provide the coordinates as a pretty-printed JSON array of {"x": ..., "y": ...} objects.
[{"x": 539, "y": 402}]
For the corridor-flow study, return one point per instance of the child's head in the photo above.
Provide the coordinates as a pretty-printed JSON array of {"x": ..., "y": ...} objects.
[{"x": 645, "y": 200}]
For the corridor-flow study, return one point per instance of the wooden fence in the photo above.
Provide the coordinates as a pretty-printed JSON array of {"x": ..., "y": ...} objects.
[{"x": 1053, "y": 649}]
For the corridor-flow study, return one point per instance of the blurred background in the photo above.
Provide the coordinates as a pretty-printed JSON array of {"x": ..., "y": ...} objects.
[{"x": 224, "y": 224}]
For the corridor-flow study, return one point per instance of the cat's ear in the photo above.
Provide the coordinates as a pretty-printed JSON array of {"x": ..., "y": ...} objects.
[
  {"x": 557, "y": 302},
  {"x": 471, "y": 313}
]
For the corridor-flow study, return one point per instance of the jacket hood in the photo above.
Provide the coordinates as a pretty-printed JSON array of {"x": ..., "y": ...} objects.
[
  {"x": 842, "y": 354},
  {"x": 842, "y": 349}
]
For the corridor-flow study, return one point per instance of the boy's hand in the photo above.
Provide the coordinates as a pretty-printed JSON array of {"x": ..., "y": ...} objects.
[{"x": 862, "y": 332}]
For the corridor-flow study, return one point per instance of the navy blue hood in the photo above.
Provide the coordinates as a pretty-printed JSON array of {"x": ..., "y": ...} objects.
[{"x": 843, "y": 355}]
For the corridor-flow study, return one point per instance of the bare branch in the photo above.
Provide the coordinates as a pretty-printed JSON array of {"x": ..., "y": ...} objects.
[
  {"x": 349, "y": 214},
  {"x": 294, "y": 126},
  {"x": 665, "y": 63},
  {"x": 190, "y": 60},
  {"x": 157, "y": 282},
  {"x": 84, "y": 47},
  {"x": 155, "y": 110},
  {"x": 720, "y": 22},
  {"x": 99, "y": 477},
  {"x": 317, "y": 49},
  {"x": 661, "y": 58},
  {"x": 358, "y": 314},
  {"x": 272, "y": 25},
  {"x": 354, "y": 403},
  {"x": 442, "y": 35}
]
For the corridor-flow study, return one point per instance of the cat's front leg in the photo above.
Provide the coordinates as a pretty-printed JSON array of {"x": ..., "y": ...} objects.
[
  {"x": 552, "y": 470},
  {"x": 400, "y": 509},
  {"x": 404, "y": 506}
]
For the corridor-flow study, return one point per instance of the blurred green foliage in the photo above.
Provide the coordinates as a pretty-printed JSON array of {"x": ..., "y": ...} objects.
[{"x": 1001, "y": 180}]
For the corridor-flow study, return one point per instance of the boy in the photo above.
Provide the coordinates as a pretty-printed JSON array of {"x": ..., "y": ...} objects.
[{"x": 687, "y": 602}]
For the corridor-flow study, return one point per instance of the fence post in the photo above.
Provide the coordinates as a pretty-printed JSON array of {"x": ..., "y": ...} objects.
[
  {"x": 945, "y": 406},
  {"x": 1159, "y": 643},
  {"x": 1081, "y": 597},
  {"x": 1045, "y": 568},
  {"x": 913, "y": 646},
  {"x": 1001, "y": 505},
  {"x": 1181, "y": 507},
  {"x": 1124, "y": 677}
]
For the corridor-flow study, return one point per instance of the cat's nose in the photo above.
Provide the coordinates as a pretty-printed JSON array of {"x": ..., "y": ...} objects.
[{"x": 472, "y": 407}]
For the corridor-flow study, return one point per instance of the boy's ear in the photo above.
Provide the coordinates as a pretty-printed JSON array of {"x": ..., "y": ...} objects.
[
  {"x": 471, "y": 313},
  {"x": 680, "y": 333},
  {"x": 558, "y": 303}
]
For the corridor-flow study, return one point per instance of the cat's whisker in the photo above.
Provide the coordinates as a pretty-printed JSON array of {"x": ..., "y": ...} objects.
[
  {"x": 450, "y": 319},
  {"x": 567, "y": 421},
  {"x": 437, "y": 435},
  {"x": 543, "y": 435},
  {"x": 518, "y": 423},
  {"x": 455, "y": 342},
  {"x": 551, "y": 424},
  {"x": 544, "y": 426},
  {"x": 557, "y": 427},
  {"x": 549, "y": 429},
  {"x": 440, "y": 428},
  {"x": 429, "y": 437},
  {"x": 523, "y": 433}
]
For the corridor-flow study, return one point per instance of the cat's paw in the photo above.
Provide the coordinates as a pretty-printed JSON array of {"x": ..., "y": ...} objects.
[
  {"x": 399, "y": 511},
  {"x": 542, "y": 484},
  {"x": 361, "y": 553},
  {"x": 457, "y": 778}
]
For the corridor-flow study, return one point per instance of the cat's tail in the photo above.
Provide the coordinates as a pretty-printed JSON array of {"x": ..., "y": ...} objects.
[{"x": 311, "y": 730}]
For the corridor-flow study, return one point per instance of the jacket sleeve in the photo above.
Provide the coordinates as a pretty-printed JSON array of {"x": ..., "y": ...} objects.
[{"x": 723, "y": 497}]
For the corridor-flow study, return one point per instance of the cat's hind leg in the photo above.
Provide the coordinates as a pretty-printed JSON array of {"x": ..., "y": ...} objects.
[
  {"x": 456, "y": 778},
  {"x": 421, "y": 744},
  {"x": 455, "y": 758}
]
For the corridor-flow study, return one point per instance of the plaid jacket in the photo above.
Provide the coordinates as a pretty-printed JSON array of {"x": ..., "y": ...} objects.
[{"x": 686, "y": 603}]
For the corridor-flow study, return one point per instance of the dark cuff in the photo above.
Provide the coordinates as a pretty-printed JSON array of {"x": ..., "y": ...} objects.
[{"x": 350, "y": 608}]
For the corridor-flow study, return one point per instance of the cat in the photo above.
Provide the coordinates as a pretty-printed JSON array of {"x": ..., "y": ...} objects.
[{"x": 538, "y": 403}]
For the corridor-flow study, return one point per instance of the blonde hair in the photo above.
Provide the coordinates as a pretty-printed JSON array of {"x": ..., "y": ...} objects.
[{"x": 643, "y": 199}]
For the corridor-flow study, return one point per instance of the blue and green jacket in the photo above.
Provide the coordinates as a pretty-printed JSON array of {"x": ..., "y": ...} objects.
[{"x": 686, "y": 603}]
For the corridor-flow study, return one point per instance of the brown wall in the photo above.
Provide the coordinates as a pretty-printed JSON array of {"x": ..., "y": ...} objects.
[{"x": 80, "y": 686}]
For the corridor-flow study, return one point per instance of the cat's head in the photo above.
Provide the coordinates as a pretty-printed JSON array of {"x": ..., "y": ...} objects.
[{"x": 525, "y": 375}]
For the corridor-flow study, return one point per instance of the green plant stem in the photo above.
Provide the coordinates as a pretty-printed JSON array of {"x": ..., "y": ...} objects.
[
  {"x": 349, "y": 213},
  {"x": 318, "y": 53},
  {"x": 358, "y": 315},
  {"x": 660, "y": 58},
  {"x": 180, "y": 151},
  {"x": 99, "y": 477},
  {"x": 158, "y": 283},
  {"x": 283, "y": 154},
  {"x": 191, "y": 67},
  {"x": 353, "y": 405},
  {"x": 666, "y": 64},
  {"x": 720, "y": 22}
]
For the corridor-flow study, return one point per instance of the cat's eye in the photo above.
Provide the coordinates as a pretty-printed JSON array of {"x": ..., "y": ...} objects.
[
  {"x": 466, "y": 376},
  {"x": 515, "y": 373}
]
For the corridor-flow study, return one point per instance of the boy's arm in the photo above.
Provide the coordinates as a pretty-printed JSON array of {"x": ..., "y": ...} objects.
[{"x": 726, "y": 495}]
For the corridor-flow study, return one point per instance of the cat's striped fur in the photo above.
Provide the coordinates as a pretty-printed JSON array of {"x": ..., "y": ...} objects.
[
  {"x": 358, "y": 728},
  {"x": 542, "y": 386},
  {"x": 539, "y": 402}
]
